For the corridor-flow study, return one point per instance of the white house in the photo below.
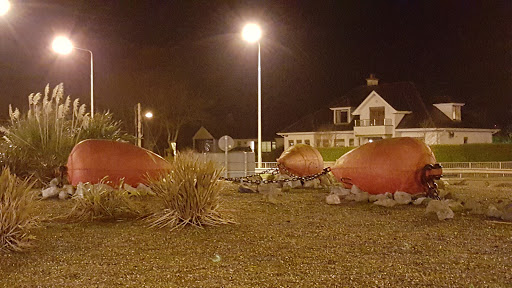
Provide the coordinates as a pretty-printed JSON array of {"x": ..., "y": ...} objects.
[{"x": 377, "y": 111}]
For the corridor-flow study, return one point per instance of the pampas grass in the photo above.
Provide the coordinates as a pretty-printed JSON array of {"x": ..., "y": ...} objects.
[
  {"x": 40, "y": 140},
  {"x": 189, "y": 194},
  {"x": 16, "y": 208}
]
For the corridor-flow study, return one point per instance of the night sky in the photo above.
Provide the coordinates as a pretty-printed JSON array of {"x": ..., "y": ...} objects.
[{"x": 312, "y": 52}]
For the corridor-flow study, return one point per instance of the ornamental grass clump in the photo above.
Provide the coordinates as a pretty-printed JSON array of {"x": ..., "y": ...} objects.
[
  {"x": 189, "y": 194},
  {"x": 16, "y": 212},
  {"x": 100, "y": 202},
  {"x": 40, "y": 140}
]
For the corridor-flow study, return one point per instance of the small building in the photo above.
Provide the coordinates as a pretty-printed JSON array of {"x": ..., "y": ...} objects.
[
  {"x": 376, "y": 111},
  {"x": 204, "y": 141}
]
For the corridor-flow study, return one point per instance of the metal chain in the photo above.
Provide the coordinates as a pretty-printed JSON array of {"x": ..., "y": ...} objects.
[{"x": 275, "y": 171}]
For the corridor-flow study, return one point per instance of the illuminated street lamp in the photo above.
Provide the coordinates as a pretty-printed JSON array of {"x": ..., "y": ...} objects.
[
  {"x": 138, "y": 121},
  {"x": 63, "y": 45},
  {"x": 5, "y": 5},
  {"x": 252, "y": 33}
]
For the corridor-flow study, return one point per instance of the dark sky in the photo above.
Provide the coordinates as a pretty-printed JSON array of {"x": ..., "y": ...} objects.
[{"x": 312, "y": 52}]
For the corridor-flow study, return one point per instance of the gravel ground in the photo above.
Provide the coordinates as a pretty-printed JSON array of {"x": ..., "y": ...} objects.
[{"x": 292, "y": 239}]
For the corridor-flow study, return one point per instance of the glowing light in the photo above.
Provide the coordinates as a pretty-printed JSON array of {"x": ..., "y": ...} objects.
[
  {"x": 62, "y": 45},
  {"x": 5, "y": 5},
  {"x": 148, "y": 115},
  {"x": 251, "y": 32}
]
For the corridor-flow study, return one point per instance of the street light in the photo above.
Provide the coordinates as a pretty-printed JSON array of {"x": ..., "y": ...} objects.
[
  {"x": 5, "y": 5},
  {"x": 63, "y": 45},
  {"x": 138, "y": 121},
  {"x": 252, "y": 33}
]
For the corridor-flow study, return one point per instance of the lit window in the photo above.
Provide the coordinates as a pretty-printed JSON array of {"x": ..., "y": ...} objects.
[
  {"x": 274, "y": 146},
  {"x": 339, "y": 143},
  {"x": 290, "y": 142},
  {"x": 456, "y": 113}
]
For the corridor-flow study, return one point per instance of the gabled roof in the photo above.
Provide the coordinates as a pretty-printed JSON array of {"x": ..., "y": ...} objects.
[{"x": 403, "y": 96}]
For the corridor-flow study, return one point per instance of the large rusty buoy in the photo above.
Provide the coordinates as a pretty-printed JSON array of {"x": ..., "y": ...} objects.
[
  {"x": 92, "y": 160},
  {"x": 301, "y": 160},
  {"x": 389, "y": 165}
]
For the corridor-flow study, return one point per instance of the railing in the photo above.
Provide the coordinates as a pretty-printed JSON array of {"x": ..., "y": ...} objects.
[
  {"x": 486, "y": 169},
  {"x": 477, "y": 165},
  {"x": 373, "y": 122}
]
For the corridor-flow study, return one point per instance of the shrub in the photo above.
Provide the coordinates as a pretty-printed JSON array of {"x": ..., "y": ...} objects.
[
  {"x": 189, "y": 194},
  {"x": 102, "y": 202},
  {"x": 40, "y": 140},
  {"x": 16, "y": 208}
]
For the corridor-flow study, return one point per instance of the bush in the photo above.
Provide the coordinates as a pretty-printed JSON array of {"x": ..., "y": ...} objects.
[
  {"x": 102, "y": 202},
  {"x": 189, "y": 194},
  {"x": 472, "y": 152},
  {"x": 37, "y": 142},
  {"x": 333, "y": 153},
  {"x": 446, "y": 153},
  {"x": 16, "y": 208}
]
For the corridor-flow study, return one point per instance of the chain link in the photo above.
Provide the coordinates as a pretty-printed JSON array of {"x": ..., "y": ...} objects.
[{"x": 275, "y": 171}]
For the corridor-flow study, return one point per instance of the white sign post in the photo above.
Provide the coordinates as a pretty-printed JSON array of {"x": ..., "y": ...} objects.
[{"x": 226, "y": 143}]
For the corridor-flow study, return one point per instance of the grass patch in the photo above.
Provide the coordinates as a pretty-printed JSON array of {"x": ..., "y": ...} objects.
[
  {"x": 445, "y": 153},
  {"x": 16, "y": 212},
  {"x": 296, "y": 241}
]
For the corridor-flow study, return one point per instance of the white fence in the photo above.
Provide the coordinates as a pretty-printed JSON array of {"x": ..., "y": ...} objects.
[{"x": 451, "y": 169}]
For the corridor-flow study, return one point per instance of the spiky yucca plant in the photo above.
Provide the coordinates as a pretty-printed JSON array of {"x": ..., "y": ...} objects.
[
  {"x": 189, "y": 194},
  {"x": 16, "y": 212},
  {"x": 102, "y": 202},
  {"x": 40, "y": 140}
]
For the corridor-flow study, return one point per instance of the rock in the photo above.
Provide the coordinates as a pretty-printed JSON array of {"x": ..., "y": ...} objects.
[
  {"x": 386, "y": 202},
  {"x": 338, "y": 190},
  {"x": 69, "y": 189},
  {"x": 456, "y": 206},
  {"x": 63, "y": 194},
  {"x": 315, "y": 183},
  {"x": 332, "y": 199},
  {"x": 292, "y": 184},
  {"x": 128, "y": 188},
  {"x": 246, "y": 189},
  {"x": 474, "y": 207},
  {"x": 269, "y": 188},
  {"x": 402, "y": 198},
  {"x": 493, "y": 212},
  {"x": 325, "y": 180},
  {"x": 144, "y": 190},
  {"x": 54, "y": 182},
  {"x": 419, "y": 201},
  {"x": 507, "y": 213},
  {"x": 80, "y": 190},
  {"x": 377, "y": 197},
  {"x": 361, "y": 197},
  {"x": 355, "y": 189},
  {"x": 440, "y": 208},
  {"x": 50, "y": 192}
]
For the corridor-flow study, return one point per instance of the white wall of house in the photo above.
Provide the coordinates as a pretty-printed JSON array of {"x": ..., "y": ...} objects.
[
  {"x": 449, "y": 136},
  {"x": 374, "y": 100},
  {"x": 321, "y": 139}
]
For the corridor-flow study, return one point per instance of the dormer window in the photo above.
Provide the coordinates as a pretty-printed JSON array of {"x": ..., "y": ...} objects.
[
  {"x": 456, "y": 113},
  {"x": 341, "y": 115}
]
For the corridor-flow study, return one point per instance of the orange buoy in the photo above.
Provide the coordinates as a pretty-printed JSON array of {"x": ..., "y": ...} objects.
[
  {"x": 92, "y": 160},
  {"x": 389, "y": 165},
  {"x": 301, "y": 160}
]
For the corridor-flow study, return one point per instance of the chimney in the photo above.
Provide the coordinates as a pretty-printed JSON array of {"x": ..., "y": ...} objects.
[{"x": 372, "y": 81}]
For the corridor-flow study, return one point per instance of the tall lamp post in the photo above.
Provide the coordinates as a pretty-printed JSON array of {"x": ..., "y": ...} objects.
[
  {"x": 5, "y": 5},
  {"x": 63, "y": 45},
  {"x": 138, "y": 121},
  {"x": 252, "y": 33}
]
